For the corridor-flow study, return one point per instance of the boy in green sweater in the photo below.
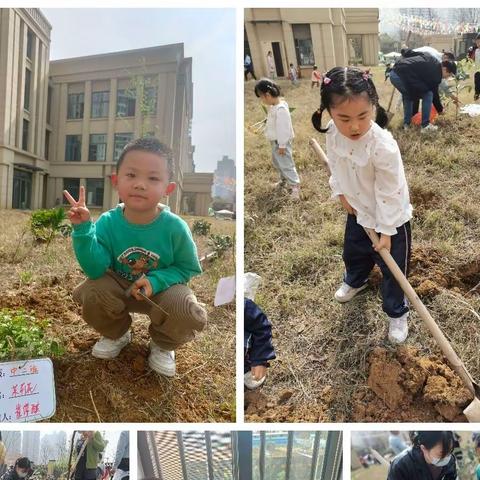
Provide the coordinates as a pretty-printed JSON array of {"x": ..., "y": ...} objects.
[{"x": 142, "y": 245}]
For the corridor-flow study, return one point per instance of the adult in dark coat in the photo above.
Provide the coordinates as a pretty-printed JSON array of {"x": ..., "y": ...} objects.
[
  {"x": 417, "y": 75},
  {"x": 21, "y": 470},
  {"x": 430, "y": 458}
]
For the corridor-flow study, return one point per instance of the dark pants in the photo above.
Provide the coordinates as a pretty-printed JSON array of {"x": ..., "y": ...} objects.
[
  {"x": 477, "y": 83},
  {"x": 360, "y": 257}
]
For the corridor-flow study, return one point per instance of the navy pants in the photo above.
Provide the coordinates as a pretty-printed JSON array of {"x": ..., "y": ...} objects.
[{"x": 360, "y": 257}]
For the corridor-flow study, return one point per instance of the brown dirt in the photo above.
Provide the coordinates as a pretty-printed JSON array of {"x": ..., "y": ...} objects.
[{"x": 405, "y": 386}]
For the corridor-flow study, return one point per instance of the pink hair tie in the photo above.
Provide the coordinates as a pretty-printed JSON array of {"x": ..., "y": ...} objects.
[
  {"x": 326, "y": 80},
  {"x": 366, "y": 75}
]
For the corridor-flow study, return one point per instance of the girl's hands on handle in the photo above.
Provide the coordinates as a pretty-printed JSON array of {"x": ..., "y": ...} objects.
[
  {"x": 385, "y": 242},
  {"x": 78, "y": 212}
]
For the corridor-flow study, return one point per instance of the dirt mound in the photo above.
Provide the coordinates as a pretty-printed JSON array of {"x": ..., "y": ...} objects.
[{"x": 406, "y": 386}]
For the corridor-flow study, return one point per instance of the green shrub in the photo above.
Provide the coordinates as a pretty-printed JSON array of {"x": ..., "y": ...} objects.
[
  {"x": 220, "y": 243},
  {"x": 22, "y": 336},
  {"x": 201, "y": 227},
  {"x": 45, "y": 224}
]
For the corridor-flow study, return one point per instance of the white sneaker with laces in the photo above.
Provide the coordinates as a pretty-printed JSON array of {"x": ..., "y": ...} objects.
[
  {"x": 162, "y": 361},
  {"x": 398, "y": 329},
  {"x": 429, "y": 128},
  {"x": 250, "y": 382},
  {"x": 107, "y": 348},
  {"x": 345, "y": 293}
]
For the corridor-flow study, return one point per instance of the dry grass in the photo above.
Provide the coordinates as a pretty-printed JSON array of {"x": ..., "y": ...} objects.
[
  {"x": 123, "y": 389},
  {"x": 323, "y": 347}
]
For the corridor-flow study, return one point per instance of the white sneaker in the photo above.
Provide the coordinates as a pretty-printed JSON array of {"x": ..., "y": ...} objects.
[
  {"x": 107, "y": 348},
  {"x": 295, "y": 192},
  {"x": 429, "y": 128},
  {"x": 162, "y": 361},
  {"x": 398, "y": 329},
  {"x": 250, "y": 382},
  {"x": 345, "y": 293}
]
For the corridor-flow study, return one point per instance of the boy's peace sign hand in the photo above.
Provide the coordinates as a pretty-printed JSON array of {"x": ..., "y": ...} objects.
[{"x": 79, "y": 213}]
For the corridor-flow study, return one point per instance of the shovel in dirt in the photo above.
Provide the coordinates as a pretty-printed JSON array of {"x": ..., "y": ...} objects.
[{"x": 472, "y": 412}]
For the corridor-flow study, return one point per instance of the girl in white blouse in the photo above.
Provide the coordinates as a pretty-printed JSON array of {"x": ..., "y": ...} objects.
[{"x": 368, "y": 178}]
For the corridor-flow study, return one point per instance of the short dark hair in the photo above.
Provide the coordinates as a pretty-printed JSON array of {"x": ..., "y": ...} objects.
[
  {"x": 152, "y": 145},
  {"x": 347, "y": 82},
  {"x": 450, "y": 66},
  {"x": 430, "y": 439},
  {"x": 23, "y": 462},
  {"x": 450, "y": 56},
  {"x": 264, "y": 86}
]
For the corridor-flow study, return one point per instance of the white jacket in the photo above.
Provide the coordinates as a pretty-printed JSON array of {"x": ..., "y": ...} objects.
[
  {"x": 369, "y": 172},
  {"x": 279, "y": 124}
]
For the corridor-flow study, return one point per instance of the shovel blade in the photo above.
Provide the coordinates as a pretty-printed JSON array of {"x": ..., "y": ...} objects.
[{"x": 472, "y": 412}]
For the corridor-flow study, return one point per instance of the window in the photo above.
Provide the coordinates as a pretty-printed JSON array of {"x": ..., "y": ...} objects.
[
  {"x": 26, "y": 93},
  {"x": 29, "y": 44},
  {"x": 95, "y": 191},
  {"x": 72, "y": 185},
  {"x": 26, "y": 126},
  {"x": 75, "y": 106},
  {"x": 150, "y": 100},
  {"x": 47, "y": 144},
  {"x": 97, "y": 150},
  {"x": 49, "y": 104},
  {"x": 121, "y": 139},
  {"x": 100, "y": 102},
  {"x": 125, "y": 103},
  {"x": 73, "y": 148},
  {"x": 303, "y": 44}
]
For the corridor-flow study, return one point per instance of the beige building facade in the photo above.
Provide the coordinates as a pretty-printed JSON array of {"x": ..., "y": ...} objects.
[
  {"x": 197, "y": 193},
  {"x": 325, "y": 37},
  {"x": 83, "y": 112}
]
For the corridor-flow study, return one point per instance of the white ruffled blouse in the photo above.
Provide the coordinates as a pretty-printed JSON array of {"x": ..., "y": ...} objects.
[{"x": 369, "y": 172}]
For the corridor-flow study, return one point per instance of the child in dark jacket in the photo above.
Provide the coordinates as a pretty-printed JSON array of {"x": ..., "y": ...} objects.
[{"x": 258, "y": 346}]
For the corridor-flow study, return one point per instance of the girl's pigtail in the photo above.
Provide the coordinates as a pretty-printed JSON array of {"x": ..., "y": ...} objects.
[{"x": 317, "y": 120}]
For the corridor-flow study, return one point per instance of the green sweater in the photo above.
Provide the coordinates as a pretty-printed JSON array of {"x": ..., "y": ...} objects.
[{"x": 164, "y": 249}]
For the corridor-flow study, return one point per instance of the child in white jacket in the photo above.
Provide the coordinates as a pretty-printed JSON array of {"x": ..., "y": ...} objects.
[{"x": 279, "y": 131}]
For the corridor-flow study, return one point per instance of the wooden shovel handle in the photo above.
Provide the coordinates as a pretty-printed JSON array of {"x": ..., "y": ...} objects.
[{"x": 422, "y": 311}]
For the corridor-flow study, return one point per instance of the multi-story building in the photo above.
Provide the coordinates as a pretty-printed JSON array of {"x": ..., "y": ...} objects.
[
  {"x": 224, "y": 180},
  {"x": 31, "y": 445},
  {"x": 64, "y": 123},
  {"x": 326, "y": 37},
  {"x": 13, "y": 444}
]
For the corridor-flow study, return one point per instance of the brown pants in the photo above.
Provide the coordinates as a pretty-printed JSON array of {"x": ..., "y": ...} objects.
[{"x": 106, "y": 308}]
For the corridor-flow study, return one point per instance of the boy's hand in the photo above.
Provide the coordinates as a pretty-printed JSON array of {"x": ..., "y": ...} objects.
[
  {"x": 79, "y": 212},
  {"x": 258, "y": 372},
  {"x": 346, "y": 205},
  {"x": 281, "y": 150},
  {"x": 385, "y": 242},
  {"x": 144, "y": 283}
]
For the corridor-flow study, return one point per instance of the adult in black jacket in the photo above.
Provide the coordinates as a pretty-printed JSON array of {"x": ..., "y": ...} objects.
[
  {"x": 20, "y": 470},
  {"x": 430, "y": 458},
  {"x": 417, "y": 75}
]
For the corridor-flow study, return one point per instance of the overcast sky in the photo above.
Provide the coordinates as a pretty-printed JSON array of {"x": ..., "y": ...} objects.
[{"x": 208, "y": 36}]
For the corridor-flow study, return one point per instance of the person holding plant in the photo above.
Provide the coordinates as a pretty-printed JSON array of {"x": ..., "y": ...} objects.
[{"x": 138, "y": 257}]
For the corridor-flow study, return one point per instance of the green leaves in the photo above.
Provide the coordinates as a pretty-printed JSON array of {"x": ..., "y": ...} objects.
[
  {"x": 201, "y": 227},
  {"x": 220, "y": 243},
  {"x": 22, "y": 336},
  {"x": 45, "y": 224}
]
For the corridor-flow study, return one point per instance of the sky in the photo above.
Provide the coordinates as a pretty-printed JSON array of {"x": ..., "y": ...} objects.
[{"x": 208, "y": 36}]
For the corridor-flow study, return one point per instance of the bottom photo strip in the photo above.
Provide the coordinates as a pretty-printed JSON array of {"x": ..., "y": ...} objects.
[{"x": 219, "y": 454}]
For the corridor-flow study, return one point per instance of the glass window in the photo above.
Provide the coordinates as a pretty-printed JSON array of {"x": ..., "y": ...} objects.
[
  {"x": 73, "y": 148},
  {"x": 303, "y": 44},
  {"x": 29, "y": 44},
  {"x": 75, "y": 105},
  {"x": 275, "y": 455},
  {"x": 97, "y": 149},
  {"x": 125, "y": 103},
  {"x": 100, "y": 102},
  {"x": 95, "y": 191},
  {"x": 121, "y": 139},
  {"x": 47, "y": 144},
  {"x": 150, "y": 100},
  {"x": 49, "y": 104},
  {"x": 72, "y": 185},
  {"x": 26, "y": 94},
  {"x": 26, "y": 126}
]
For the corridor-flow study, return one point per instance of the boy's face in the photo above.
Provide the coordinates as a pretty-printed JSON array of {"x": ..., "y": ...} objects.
[{"x": 142, "y": 180}]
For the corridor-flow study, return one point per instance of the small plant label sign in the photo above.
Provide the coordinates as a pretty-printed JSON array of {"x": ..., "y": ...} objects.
[{"x": 27, "y": 390}]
